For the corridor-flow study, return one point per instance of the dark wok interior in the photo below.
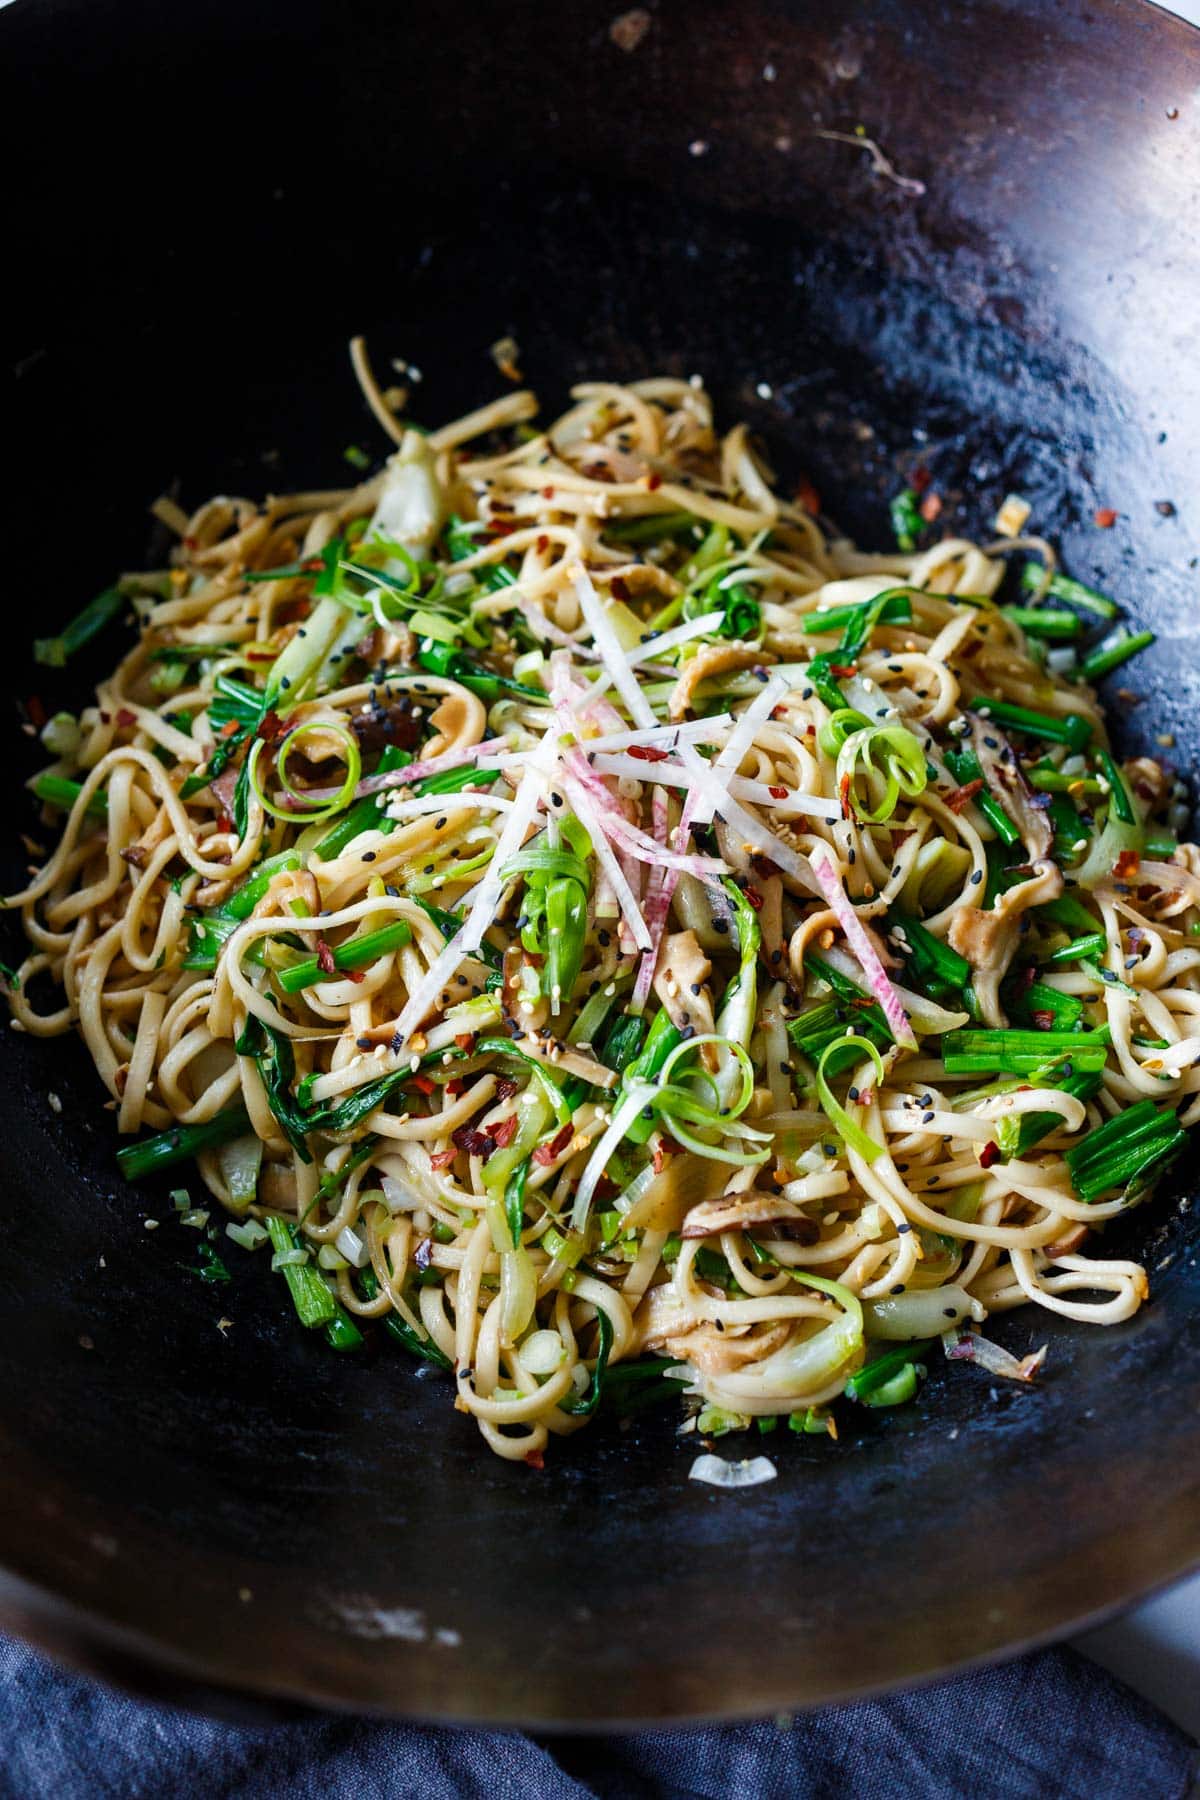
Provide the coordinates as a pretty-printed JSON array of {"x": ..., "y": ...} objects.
[{"x": 211, "y": 198}]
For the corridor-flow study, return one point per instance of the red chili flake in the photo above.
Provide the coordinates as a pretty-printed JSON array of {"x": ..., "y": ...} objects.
[
  {"x": 457, "y": 1086},
  {"x": 605, "y": 1186},
  {"x": 1126, "y": 865},
  {"x": 920, "y": 479},
  {"x": 547, "y": 1153},
  {"x": 229, "y": 728},
  {"x": 271, "y": 727},
  {"x": 125, "y": 718},
  {"x": 619, "y": 588},
  {"x": 958, "y": 797},
  {"x": 653, "y": 481},
  {"x": 355, "y": 975},
  {"x": 844, "y": 796},
  {"x": 475, "y": 1143},
  {"x": 224, "y": 822},
  {"x": 500, "y": 527},
  {"x": 36, "y": 711},
  {"x": 505, "y": 1132},
  {"x": 843, "y": 669},
  {"x": 1044, "y": 1021},
  {"x": 779, "y": 712},
  {"x": 542, "y": 545},
  {"x": 988, "y": 1155},
  {"x": 506, "y": 1087},
  {"x": 325, "y": 960},
  {"x": 441, "y": 1159},
  {"x": 547, "y": 493},
  {"x": 190, "y": 543},
  {"x": 778, "y": 793},
  {"x": 1105, "y": 517},
  {"x": 807, "y": 496},
  {"x": 423, "y": 1084},
  {"x": 930, "y": 508},
  {"x": 535, "y": 1460},
  {"x": 465, "y": 1040},
  {"x": 754, "y": 898},
  {"x": 647, "y": 753}
]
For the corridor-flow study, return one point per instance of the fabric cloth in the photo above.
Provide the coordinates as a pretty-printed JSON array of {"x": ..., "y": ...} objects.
[{"x": 1044, "y": 1726}]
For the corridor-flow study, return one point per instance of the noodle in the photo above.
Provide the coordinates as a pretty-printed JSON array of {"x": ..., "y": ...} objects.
[{"x": 572, "y": 948}]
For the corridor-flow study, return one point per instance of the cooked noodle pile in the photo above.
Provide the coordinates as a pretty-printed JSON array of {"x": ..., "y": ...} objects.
[{"x": 576, "y": 912}]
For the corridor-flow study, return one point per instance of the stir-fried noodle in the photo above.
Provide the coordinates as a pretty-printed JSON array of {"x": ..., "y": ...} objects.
[{"x": 577, "y": 912}]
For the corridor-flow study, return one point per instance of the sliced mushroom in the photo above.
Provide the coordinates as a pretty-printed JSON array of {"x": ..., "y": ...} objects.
[
  {"x": 683, "y": 972},
  {"x": 737, "y": 1212},
  {"x": 714, "y": 659},
  {"x": 1002, "y": 772},
  {"x": 988, "y": 939}
]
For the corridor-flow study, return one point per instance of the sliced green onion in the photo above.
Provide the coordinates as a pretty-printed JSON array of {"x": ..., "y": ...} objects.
[
  {"x": 842, "y": 1051},
  {"x": 907, "y": 523},
  {"x": 1103, "y": 661},
  {"x": 1130, "y": 1150},
  {"x": 1064, "y": 588},
  {"x": 896, "y": 609},
  {"x": 1067, "y": 728},
  {"x": 353, "y": 954},
  {"x": 1021, "y": 1052},
  {"x": 1042, "y": 621},
  {"x": 53, "y": 652},
  {"x": 296, "y": 816},
  {"x": 180, "y": 1143},
  {"x": 932, "y": 967},
  {"x": 889, "y": 753},
  {"x": 60, "y": 791},
  {"x": 313, "y": 1301},
  {"x": 1094, "y": 944}
]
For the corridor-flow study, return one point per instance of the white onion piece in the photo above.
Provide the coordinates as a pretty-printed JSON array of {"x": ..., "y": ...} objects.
[
  {"x": 970, "y": 1346},
  {"x": 923, "y": 1313},
  {"x": 352, "y": 1247},
  {"x": 721, "y": 1474},
  {"x": 397, "y": 1197}
]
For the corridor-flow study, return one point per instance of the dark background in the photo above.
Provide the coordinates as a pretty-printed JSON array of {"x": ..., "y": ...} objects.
[{"x": 203, "y": 204}]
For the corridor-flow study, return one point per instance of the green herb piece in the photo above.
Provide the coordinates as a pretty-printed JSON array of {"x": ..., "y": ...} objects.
[
  {"x": 580, "y": 1405},
  {"x": 62, "y": 792},
  {"x": 353, "y": 954},
  {"x": 54, "y": 652},
  {"x": 907, "y": 523},
  {"x": 1017, "y": 1134},
  {"x": 893, "y": 608},
  {"x": 314, "y": 1303},
  {"x": 180, "y": 1143},
  {"x": 1062, "y": 587},
  {"x": 965, "y": 767},
  {"x": 1043, "y": 621},
  {"x": 1021, "y": 1052},
  {"x": 1130, "y": 1150},
  {"x": 1066, "y": 728}
]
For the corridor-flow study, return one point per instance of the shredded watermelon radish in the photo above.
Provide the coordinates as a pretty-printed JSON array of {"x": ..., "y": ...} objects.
[{"x": 825, "y": 870}]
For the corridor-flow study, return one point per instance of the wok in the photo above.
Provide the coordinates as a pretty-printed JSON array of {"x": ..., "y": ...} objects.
[{"x": 210, "y": 199}]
